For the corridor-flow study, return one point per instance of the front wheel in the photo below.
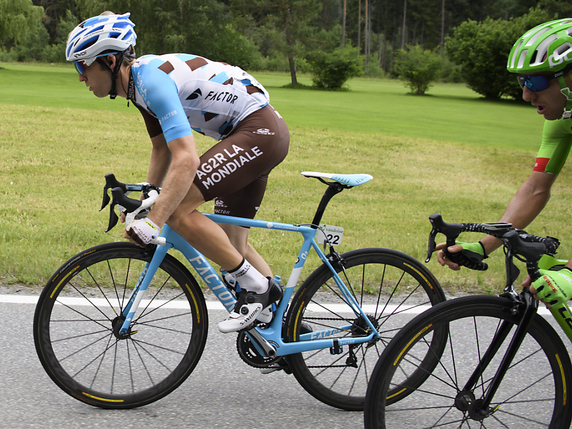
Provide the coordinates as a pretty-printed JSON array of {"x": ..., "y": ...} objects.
[
  {"x": 389, "y": 285},
  {"x": 79, "y": 313},
  {"x": 532, "y": 394}
]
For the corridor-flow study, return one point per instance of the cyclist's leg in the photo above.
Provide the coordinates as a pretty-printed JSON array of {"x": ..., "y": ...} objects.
[
  {"x": 235, "y": 171},
  {"x": 238, "y": 236},
  {"x": 244, "y": 203},
  {"x": 202, "y": 233},
  {"x": 237, "y": 168}
]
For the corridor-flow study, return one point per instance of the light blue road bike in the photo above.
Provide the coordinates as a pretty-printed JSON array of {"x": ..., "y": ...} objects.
[{"x": 119, "y": 326}]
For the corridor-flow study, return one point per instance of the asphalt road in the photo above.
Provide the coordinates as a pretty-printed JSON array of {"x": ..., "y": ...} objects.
[{"x": 222, "y": 392}]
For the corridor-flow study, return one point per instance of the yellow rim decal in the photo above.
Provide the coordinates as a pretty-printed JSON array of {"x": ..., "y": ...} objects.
[
  {"x": 62, "y": 280},
  {"x": 396, "y": 394},
  {"x": 564, "y": 393},
  {"x": 298, "y": 315},
  {"x": 409, "y": 344},
  {"x": 102, "y": 399},
  {"x": 195, "y": 302},
  {"x": 417, "y": 271}
]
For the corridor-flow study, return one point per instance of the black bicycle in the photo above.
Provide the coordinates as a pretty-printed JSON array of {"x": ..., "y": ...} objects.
[{"x": 503, "y": 365}]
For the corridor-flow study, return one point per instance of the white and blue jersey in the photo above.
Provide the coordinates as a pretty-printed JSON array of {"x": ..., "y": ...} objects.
[{"x": 185, "y": 92}]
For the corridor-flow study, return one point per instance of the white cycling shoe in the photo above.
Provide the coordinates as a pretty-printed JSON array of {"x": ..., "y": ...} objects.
[{"x": 251, "y": 306}]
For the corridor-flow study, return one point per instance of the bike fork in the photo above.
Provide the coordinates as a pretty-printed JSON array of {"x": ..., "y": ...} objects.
[
  {"x": 139, "y": 291},
  {"x": 480, "y": 409}
]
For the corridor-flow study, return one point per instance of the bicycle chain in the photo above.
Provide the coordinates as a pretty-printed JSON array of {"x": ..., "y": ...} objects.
[{"x": 250, "y": 355}]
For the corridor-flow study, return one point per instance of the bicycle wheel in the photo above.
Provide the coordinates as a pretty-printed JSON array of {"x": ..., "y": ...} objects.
[
  {"x": 532, "y": 393},
  {"x": 389, "y": 285},
  {"x": 78, "y": 317}
]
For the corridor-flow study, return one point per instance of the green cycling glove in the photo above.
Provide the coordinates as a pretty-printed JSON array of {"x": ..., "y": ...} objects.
[
  {"x": 475, "y": 252},
  {"x": 554, "y": 287}
]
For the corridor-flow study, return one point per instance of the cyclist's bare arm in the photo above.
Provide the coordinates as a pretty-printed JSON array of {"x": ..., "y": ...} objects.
[
  {"x": 182, "y": 165},
  {"x": 528, "y": 202},
  {"x": 160, "y": 160}
]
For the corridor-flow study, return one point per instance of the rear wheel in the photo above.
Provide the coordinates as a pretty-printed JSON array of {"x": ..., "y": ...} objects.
[
  {"x": 79, "y": 315},
  {"x": 390, "y": 286}
]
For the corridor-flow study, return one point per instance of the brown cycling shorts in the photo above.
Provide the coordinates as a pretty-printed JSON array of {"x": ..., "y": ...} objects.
[{"x": 234, "y": 172}]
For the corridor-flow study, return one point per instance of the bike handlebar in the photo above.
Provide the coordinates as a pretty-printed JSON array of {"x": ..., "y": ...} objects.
[
  {"x": 133, "y": 209},
  {"x": 518, "y": 242}
]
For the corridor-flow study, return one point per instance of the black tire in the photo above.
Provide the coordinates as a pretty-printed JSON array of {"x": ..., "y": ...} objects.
[
  {"x": 79, "y": 308},
  {"x": 532, "y": 393},
  {"x": 385, "y": 283}
]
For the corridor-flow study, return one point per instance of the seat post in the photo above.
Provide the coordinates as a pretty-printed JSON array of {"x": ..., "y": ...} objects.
[{"x": 333, "y": 189}]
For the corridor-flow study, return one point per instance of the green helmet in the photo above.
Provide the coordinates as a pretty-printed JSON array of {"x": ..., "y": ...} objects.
[{"x": 545, "y": 48}]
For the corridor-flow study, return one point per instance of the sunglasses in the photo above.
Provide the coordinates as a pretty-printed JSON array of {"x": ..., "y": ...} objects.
[
  {"x": 540, "y": 82},
  {"x": 80, "y": 66}
]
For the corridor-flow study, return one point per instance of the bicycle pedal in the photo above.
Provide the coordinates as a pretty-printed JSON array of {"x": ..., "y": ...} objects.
[
  {"x": 279, "y": 365},
  {"x": 270, "y": 369}
]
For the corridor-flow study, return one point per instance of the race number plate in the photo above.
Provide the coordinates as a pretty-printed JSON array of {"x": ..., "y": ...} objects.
[{"x": 333, "y": 233}]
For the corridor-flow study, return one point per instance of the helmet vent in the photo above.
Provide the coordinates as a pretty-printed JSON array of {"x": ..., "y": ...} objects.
[
  {"x": 521, "y": 59},
  {"x": 532, "y": 40}
]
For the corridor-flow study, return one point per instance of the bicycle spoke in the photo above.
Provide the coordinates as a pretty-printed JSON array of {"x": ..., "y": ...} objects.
[{"x": 385, "y": 284}]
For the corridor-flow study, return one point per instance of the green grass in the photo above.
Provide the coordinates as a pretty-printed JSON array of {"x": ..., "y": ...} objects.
[{"x": 449, "y": 152}]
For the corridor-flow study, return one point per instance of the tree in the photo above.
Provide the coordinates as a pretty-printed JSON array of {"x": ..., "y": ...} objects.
[
  {"x": 292, "y": 20},
  {"x": 418, "y": 67},
  {"x": 332, "y": 69},
  {"x": 21, "y": 29},
  {"x": 202, "y": 27},
  {"x": 482, "y": 48},
  {"x": 54, "y": 13}
]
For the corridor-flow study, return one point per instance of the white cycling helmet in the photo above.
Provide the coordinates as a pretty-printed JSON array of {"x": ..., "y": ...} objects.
[{"x": 100, "y": 35}]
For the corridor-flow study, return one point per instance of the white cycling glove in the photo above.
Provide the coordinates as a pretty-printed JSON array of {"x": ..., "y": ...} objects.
[{"x": 143, "y": 231}]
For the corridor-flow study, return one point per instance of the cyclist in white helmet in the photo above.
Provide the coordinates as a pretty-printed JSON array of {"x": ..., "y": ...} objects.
[
  {"x": 542, "y": 60},
  {"x": 179, "y": 94}
]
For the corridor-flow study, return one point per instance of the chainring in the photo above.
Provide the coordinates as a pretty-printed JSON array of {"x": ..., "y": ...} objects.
[{"x": 250, "y": 355}]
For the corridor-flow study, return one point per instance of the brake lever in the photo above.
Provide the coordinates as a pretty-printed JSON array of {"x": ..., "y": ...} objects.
[
  {"x": 113, "y": 218},
  {"x": 438, "y": 226},
  {"x": 106, "y": 198},
  {"x": 110, "y": 183},
  {"x": 432, "y": 244}
]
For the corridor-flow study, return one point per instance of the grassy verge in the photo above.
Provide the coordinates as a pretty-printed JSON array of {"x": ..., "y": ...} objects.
[{"x": 425, "y": 154}]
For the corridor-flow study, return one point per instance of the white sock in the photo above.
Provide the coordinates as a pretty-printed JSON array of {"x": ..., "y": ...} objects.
[{"x": 249, "y": 278}]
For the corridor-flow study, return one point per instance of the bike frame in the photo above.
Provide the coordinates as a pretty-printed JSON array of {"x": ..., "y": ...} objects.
[
  {"x": 268, "y": 338},
  {"x": 560, "y": 312}
]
